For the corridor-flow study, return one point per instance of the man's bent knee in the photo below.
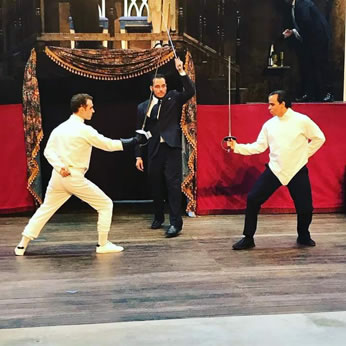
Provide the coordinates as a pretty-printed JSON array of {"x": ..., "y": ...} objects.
[{"x": 106, "y": 206}]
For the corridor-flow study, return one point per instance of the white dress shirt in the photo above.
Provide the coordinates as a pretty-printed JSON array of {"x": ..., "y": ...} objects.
[
  {"x": 70, "y": 144},
  {"x": 154, "y": 101},
  {"x": 292, "y": 139}
]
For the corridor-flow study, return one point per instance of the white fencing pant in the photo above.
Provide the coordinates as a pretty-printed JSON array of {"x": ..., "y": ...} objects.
[{"x": 59, "y": 190}]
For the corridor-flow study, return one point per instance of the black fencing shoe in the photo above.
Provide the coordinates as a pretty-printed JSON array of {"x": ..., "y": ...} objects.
[
  {"x": 172, "y": 231},
  {"x": 304, "y": 98},
  {"x": 304, "y": 242},
  {"x": 244, "y": 243},
  {"x": 328, "y": 98},
  {"x": 156, "y": 224}
]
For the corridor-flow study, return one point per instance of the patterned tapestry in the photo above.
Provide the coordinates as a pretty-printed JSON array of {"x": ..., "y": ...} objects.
[
  {"x": 32, "y": 127},
  {"x": 109, "y": 64},
  {"x": 105, "y": 64},
  {"x": 189, "y": 128}
]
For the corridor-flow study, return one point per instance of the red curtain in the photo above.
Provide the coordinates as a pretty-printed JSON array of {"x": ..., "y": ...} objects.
[
  {"x": 224, "y": 179},
  {"x": 14, "y": 195}
]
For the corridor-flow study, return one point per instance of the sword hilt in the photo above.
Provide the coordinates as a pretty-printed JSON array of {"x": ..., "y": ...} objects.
[
  {"x": 225, "y": 140},
  {"x": 228, "y": 138}
]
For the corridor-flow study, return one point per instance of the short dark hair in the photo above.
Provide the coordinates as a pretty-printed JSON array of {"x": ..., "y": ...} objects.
[
  {"x": 79, "y": 100},
  {"x": 282, "y": 97},
  {"x": 157, "y": 76}
]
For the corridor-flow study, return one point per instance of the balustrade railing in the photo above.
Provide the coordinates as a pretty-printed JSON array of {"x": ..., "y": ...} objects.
[
  {"x": 136, "y": 8},
  {"x": 203, "y": 26}
]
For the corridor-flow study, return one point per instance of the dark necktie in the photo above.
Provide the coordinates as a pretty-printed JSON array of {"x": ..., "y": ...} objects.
[{"x": 155, "y": 110}]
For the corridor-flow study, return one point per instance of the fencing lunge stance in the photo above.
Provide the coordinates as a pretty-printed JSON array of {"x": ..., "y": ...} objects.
[
  {"x": 292, "y": 138},
  {"x": 68, "y": 150}
]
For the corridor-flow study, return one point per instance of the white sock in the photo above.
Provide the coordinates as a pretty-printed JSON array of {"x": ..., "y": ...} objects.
[
  {"x": 103, "y": 238},
  {"x": 24, "y": 242}
]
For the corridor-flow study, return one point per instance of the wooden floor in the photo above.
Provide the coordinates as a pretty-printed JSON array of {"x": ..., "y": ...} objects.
[{"x": 62, "y": 281}]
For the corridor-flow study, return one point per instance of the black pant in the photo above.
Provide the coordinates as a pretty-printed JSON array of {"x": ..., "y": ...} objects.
[
  {"x": 314, "y": 70},
  {"x": 85, "y": 16},
  {"x": 165, "y": 175},
  {"x": 300, "y": 191}
]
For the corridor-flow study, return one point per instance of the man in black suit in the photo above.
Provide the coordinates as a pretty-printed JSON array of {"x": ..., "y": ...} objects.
[
  {"x": 161, "y": 116},
  {"x": 312, "y": 35}
]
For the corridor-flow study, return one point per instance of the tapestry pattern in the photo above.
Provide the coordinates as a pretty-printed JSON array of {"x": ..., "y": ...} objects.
[
  {"x": 189, "y": 128},
  {"x": 109, "y": 64},
  {"x": 32, "y": 127}
]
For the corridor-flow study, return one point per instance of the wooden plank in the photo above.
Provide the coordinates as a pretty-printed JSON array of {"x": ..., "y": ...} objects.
[
  {"x": 64, "y": 13},
  {"x": 74, "y": 37},
  {"x": 42, "y": 11},
  {"x": 62, "y": 281},
  {"x": 64, "y": 25},
  {"x": 142, "y": 37},
  {"x": 103, "y": 37}
]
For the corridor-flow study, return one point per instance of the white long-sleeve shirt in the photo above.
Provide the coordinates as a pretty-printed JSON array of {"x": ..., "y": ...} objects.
[
  {"x": 70, "y": 144},
  {"x": 292, "y": 139}
]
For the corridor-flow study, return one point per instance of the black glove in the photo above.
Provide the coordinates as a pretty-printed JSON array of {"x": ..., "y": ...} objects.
[{"x": 141, "y": 137}]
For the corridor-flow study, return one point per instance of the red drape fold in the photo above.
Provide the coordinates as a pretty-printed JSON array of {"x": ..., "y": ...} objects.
[{"x": 14, "y": 196}]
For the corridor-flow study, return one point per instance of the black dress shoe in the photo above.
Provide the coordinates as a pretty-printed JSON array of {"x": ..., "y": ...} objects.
[
  {"x": 304, "y": 98},
  {"x": 172, "y": 231},
  {"x": 244, "y": 243},
  {"x": 308, "y": 242},
  {"x": 328, "y": 98},
  {"x": 156, "y": 224}
]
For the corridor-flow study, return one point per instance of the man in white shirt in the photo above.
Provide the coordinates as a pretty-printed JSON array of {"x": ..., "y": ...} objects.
[
  {"x": 292, "y": 138},
  {"x": 68, "y": 150}
]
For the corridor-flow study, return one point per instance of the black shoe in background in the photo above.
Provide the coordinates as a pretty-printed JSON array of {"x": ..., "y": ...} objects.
[
  {"x": 244, "y": 243},
  {"x": 304, "y": 98},
  {"x": 156, "y": 224},
  {"x": 172, "y": 231},
  {"x": 328, "y": 98},
  {"x": 306, "y": 242}
]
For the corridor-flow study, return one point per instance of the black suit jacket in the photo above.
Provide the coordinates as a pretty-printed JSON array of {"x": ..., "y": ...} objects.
[
  {"x": 313, "y": 26},
  {"x": 168, "y": 124}
]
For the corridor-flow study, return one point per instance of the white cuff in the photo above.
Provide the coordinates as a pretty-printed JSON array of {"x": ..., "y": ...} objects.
[{"x": 297, "y": 35}]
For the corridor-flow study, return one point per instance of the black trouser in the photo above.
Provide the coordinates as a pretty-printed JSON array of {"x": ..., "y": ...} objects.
[
  {"x": 314, "y": 70},
  {"x": 300, "y": 191},
  {"x": 85, "y": 16},
  {"x": 165, "y": 174}
]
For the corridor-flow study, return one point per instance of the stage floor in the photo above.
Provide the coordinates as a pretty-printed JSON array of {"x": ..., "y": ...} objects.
[{"x": 62, "y": 281}]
